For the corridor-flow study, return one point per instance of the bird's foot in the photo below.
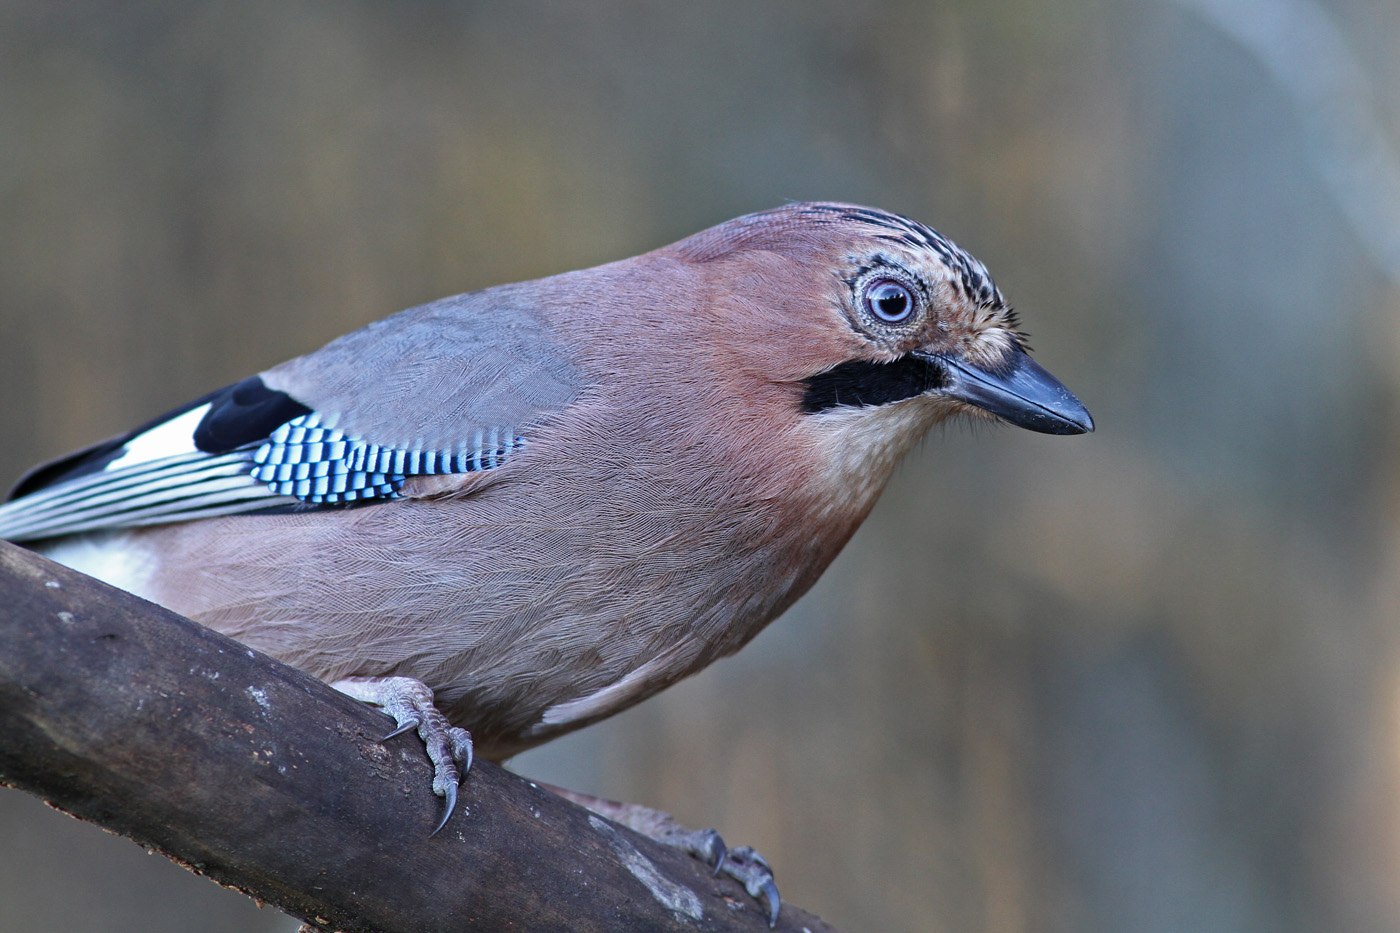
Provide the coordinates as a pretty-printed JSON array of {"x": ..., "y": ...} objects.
[
  {"x": 742, "y": 864},
  {"x": 410, "y": 703}
]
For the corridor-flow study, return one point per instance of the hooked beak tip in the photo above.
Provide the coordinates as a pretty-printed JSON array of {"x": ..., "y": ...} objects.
[{"x": 1022, "y": 393}]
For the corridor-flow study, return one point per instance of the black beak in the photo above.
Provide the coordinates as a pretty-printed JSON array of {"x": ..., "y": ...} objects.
[{"x": 1020, "y": 392}]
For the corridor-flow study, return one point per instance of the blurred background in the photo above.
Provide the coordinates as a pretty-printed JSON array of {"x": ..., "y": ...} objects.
[{"x": 1145, "y": 680}]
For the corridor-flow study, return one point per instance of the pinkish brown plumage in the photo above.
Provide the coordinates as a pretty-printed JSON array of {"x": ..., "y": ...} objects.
[{"x": 575, "y": 490}]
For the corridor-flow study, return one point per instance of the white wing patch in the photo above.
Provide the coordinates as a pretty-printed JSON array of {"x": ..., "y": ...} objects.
[{"x": 169, "y": 439}]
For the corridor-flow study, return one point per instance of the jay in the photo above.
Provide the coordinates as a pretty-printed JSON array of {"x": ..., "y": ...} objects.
[{"x": 521, "y": 510}]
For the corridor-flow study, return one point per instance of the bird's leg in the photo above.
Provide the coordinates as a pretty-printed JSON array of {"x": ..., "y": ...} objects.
[
  {"x": 742, "y": 864},
  {"x": 410, "y": 703}
]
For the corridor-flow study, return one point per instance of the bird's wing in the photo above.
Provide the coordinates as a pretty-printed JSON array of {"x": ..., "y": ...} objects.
[{"x": 452, "y": 387}]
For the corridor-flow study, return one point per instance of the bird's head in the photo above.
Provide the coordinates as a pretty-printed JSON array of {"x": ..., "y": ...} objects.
[{"x": 868, "y": 313}]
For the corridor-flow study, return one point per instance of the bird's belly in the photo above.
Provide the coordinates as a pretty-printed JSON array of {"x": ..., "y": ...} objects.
[{"x": 522, "y": 634}]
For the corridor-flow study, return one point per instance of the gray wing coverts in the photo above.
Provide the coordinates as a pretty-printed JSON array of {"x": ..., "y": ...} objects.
[
  {"x": 449, "y": 387},
  {"x": 428, "y": 377}
]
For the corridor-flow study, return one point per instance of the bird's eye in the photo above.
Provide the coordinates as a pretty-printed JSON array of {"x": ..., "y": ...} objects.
[{"x": 889, "y": 301}]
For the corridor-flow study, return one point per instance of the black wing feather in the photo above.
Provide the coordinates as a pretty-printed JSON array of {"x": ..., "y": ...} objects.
[{"x": 242, "y": 414}]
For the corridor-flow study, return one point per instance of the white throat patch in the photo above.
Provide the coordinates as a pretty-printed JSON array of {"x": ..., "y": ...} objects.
[{"x": 862, "y": 445}]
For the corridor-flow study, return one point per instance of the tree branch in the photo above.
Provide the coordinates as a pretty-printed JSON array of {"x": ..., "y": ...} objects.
[{"x": 268, "y": 781}]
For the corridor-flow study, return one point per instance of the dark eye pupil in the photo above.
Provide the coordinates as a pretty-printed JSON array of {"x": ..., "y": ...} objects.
[{"x": 890, "y": 301}]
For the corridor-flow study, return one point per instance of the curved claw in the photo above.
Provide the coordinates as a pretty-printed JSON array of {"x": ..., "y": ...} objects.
[
  {"x": 406, "y": 726},
  {"x": 465, "y": 755},
  {"x": 450, "y": 804},
  {"x": 721, "y": 855},
  {"x": 770, "y": 894}
]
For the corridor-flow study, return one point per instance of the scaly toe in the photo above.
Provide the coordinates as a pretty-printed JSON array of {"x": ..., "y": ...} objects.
[{"x": 410, "y": 703}]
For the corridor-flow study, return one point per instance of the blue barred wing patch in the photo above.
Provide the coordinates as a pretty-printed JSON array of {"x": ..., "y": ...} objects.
[
  {"x": 158, "y": 476},
  {"x": 309, "y": 460}
]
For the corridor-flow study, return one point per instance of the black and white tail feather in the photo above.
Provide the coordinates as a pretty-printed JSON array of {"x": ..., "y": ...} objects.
[{"x": 245, "y": 448}]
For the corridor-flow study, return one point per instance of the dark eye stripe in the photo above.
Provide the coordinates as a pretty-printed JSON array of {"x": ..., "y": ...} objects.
[{"x": 864, "y": 384}]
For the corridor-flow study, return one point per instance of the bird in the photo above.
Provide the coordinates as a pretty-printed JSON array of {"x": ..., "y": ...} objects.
[{"x": 508, "y": 514}]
